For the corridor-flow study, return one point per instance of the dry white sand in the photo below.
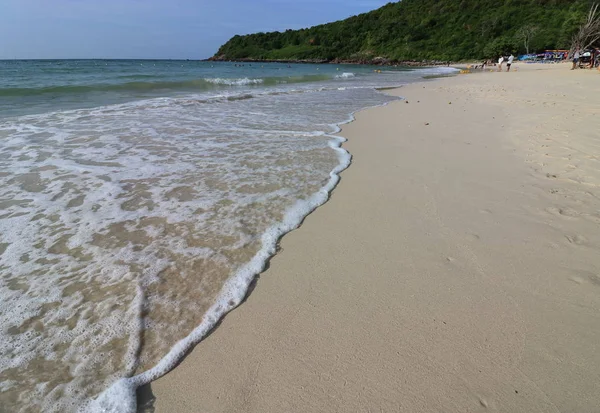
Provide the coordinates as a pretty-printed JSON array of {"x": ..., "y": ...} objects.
[{"x": 455, "y": 269}]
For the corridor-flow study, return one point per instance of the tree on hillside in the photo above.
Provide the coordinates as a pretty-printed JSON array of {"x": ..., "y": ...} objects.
[
  {"x": 589, "y": 32},
  {"x": 501, "y": 46},
  {"x": 489, "y": 25},
  {"x": 525, "y": 34}
]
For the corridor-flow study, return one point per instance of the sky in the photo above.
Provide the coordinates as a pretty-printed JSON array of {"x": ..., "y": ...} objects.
[{"x": 167, "y": 29}]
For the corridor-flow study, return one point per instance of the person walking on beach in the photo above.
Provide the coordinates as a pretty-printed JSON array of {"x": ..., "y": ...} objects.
[
  {"x": 500, "y": 61},
  {"x": 575, "y": 58},
  {"x": 510, "y": 60}
]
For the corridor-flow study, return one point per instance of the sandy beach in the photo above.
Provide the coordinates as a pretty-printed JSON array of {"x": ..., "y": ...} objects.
[{"x": 456, "y": 267}]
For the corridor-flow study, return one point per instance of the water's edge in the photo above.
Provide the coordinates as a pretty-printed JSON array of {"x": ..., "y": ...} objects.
[{"x": 121, "y": 397}]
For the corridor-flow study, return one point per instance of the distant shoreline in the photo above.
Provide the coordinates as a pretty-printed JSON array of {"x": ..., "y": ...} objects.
[{"x": 372, "y": 62}]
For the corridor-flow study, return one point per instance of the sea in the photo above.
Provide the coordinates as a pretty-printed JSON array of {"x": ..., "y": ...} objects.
[{"x": 140, "y": 198}]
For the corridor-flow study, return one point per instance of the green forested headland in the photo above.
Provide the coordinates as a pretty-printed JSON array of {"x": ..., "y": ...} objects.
[{"x": 445, "y": 30}]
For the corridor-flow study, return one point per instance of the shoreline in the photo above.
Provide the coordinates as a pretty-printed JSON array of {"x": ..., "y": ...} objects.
[
  {"x": 276, "y": 350},
  {"x": 129, "y": 391},
  {"x": 361, "y": 62}
]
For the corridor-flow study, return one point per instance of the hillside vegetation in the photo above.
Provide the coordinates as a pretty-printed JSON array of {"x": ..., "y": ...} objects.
[{"x": 423, "y": 30}]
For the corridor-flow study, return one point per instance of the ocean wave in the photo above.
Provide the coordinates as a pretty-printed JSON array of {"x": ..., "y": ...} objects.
[
  {"x": 193, "y": 99},
  {"x": 345, "y": 75},
  {"x": 438, "y": 70},
  {"x": 149, "y": 86},
  {"x": 125, "y": 87},
  {"x": 235, "y": 82}
]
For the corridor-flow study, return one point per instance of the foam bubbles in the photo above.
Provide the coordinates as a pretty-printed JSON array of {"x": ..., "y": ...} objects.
[
  {"x": 234, "y": 82},
  {"x": 345, "y": 75}
]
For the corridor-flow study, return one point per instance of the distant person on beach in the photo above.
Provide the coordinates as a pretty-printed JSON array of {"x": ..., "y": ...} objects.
[
  {"x": 575, "y": 58},
  {"x": 500, "y": 61},
  {"x": 510, "y": 61}
]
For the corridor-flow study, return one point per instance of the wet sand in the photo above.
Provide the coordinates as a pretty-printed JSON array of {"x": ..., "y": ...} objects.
[{"x": 456, "y": 267}]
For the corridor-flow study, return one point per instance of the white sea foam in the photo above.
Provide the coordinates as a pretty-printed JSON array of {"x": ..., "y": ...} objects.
[
  {"x": 439, "y": 70},
  {"x": 234, "y": 82},
  {"x": 345, "y": 75}
]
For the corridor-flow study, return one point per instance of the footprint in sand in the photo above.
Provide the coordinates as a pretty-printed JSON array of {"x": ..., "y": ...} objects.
[
  {"x": 567, "y": 213},
  {"x": 576, "y": 239},
  {"x": 473, "y": 237},
  {"x": 595, "y": 218},
  {"x": 586, "y": 277},
  {"x": 577, "y": 280}
]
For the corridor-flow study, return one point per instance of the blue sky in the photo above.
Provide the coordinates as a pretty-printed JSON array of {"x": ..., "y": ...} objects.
[{"x": 188, "y": 29}]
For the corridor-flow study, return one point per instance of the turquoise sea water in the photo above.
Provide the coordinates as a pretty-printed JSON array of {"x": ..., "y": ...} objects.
[
  {"x": 34, "y": 86},
  {"x": 138, "y": 199}
]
